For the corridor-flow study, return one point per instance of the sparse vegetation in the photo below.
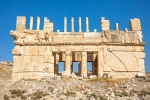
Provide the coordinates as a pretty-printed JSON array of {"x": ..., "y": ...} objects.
[
  {"x": 65, "y": 79},
  {"x": 70, "y": 93},
  {"x": 102, "y": 98},
  {"x": 142, "y": 94},
  {"x": 18, "y": 93},
  {"x": 6, "y": 97},
  {"x": 108, "y": 80},
  {"x": 94, "y": 95},
  {"x": 38, "y": 95}
]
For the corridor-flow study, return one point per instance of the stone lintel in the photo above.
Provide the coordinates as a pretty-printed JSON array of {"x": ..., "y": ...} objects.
[{"x": 78, "y": 43}]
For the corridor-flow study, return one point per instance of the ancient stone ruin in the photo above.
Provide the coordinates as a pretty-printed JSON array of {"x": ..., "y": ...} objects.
[{"x": 117, "y": 53}]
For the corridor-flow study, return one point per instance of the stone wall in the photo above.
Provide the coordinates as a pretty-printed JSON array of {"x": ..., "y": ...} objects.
[{"x": 36, "y": 54}]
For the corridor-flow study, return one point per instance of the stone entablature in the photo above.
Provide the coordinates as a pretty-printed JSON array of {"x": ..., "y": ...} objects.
[{"x": 36, "y": 54}]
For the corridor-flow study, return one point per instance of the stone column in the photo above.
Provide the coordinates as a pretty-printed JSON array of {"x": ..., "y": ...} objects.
[
  {"x": 65, "y": 24},
  {"x": 31, "y": 23},
  {"x": 94, "y": 64},
  {"x": 99, "y": 64},
  {"x": 72, "y": 24},
  {"x": 80, "y": 24},
  {"x": 84, "y": 65},
  {"x": 79, "y": 68},
  {"x": 67, "y": 63},
  {"x": 116, "y": 27},
  {"x": 95, "y": 30},
  {"x": 87, "y": 24},
  {"x": 38, "y": 23},
  {"x": 56, "y": 59}
]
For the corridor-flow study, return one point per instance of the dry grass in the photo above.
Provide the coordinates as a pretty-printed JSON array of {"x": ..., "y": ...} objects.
[
  {"x": 108, "y": 80},
  {"x": 66, "y": 79}
]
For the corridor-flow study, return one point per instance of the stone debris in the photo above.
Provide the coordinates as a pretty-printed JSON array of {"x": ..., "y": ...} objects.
[
  {"x": 57, "y": 88},
  {"x": 92, "y": 76}
]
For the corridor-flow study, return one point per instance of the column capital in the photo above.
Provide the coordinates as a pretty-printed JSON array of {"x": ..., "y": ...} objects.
[
  {"x": 84, "y": 53},
  {"x": 68, "y": 53}
]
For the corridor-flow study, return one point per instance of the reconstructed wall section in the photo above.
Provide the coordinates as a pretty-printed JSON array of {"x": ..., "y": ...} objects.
[{"x": 36, "y": 54}]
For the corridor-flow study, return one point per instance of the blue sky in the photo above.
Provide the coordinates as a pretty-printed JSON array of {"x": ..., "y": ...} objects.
[{"x": 117, "y": 11}]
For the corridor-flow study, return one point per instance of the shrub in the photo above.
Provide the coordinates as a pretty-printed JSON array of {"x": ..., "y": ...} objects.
[
  {"x": 6, "y": 97},
  {"x": 102, "y": 98},
  {"x": 94, "y": 95},
  {"x": 38, "y": 95},
  {"x": 17, "y": 93},
  {"x": 70, "y": 93}
]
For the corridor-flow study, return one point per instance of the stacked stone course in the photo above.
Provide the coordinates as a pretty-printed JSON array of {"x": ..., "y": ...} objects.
[{"x": 119, "y": 53}]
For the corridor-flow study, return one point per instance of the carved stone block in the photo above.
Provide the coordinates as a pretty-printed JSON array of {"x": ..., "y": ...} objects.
[
  {"x": 135, "y": 24},
  {"x": 21, "y": 23}
]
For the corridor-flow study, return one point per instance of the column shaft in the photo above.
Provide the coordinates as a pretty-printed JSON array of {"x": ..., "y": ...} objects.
[
  {"x": 56, "y": 57},
  {"x": 67, "y": 64},
  {"x": 38, "y": 23},
  {"x": 65, "y": 24},
  {"x": 87, "y": 25},
  {"x": 79, "y": 68},
  {"x": 31, "y": 23},
  {"x": 99, "y": 63},
  {"x": 72, "y": 24},
  {"x": 84, "y": 65},
  {"x": 80, "y": 24}
]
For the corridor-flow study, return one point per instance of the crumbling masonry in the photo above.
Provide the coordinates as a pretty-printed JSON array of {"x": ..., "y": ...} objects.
[{"x": 119, "y": 53}]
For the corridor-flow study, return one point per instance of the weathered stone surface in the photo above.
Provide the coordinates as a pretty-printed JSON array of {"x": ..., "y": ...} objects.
[
  {"x": 135, "y": 24},
  {"x": 105, "y": 24},
  {"x": 16, "y": 50},
  {"x": 37, "y": 53},
  {"x": 21, "y": 23}
]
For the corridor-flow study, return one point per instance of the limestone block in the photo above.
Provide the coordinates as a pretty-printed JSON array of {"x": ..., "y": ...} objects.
[
  {"x": 32, "y": 75},
  {"x": 16, "y": 50},
  {"x": 49, "y": 68},
  {"x": 34, "y": 67},
  {"x": 112, "y": 48},
  {"x": 128, "y": 59},
  {"x": 38, "y": 59},
  {"x": 138, "y": 48},
  {"x": 47, "y": 59},
  {"x": 29, "y": 50},
  {"x": 48, "y": 25},
  {"x": 106, "y": 68},
  {"x": 21, "y": 23},
  {"x": 16, "y": 64},
  {"x": 135, "y": 24},
  {"x": 24, "y": 62},
  {"x": 129, "y": 48},
  {"x": 14, "y": 76},
  {"x": 139, "y": 55},
  {"x": 105, "y": 24},
  {"x": 112, "y": 61},
  {"x": 140, "y": 36},
  {"x": 44, "y": 50}
]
